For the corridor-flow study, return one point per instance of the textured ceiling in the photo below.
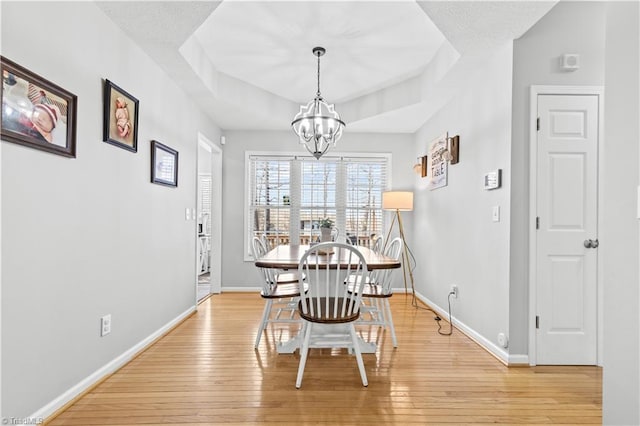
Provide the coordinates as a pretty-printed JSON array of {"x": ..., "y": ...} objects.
[
  {"x": 388, "y": 67},
  {"x": 369, "y": 46}
]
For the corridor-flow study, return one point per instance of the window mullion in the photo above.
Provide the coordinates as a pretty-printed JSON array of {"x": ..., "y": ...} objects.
[
  {"x": 341, "y": 197},
  {"x": 295, "y": 188}
]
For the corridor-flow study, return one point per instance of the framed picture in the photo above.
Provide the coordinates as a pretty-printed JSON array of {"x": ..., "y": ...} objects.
[
  {"x": 438, "y": 162},
  {"x": 120, "y": 117},
  {"x": 36, "y": 112},
  {"x": 164, "y": 164}
]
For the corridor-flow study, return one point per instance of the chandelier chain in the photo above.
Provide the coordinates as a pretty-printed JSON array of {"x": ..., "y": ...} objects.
[{"x": 318, "y": 94}]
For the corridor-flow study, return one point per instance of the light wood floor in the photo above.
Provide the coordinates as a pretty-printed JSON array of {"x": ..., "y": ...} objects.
[{"x": 206, "y": 372}]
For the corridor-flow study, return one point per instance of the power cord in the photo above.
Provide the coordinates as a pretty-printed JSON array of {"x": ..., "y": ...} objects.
[
  {"x": 412, "y": 265},
  {"x": 438, "y": 319}
]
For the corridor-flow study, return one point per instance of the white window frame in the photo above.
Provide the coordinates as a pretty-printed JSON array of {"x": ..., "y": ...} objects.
[{"x": 248, "y": 257}]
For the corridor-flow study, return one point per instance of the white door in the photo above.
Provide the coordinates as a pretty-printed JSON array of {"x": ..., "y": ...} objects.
[{"x": 567, "y": 176}]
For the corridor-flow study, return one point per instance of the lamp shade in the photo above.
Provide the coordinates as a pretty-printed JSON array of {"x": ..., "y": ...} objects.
[{"x": 397, "y": 200}]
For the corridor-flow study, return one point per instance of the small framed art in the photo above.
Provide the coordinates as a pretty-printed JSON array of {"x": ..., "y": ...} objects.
[
  {"x": 120, "y": 117},
  {"x": 36, "y": 112},
  {"x": 164, "y": 164}
]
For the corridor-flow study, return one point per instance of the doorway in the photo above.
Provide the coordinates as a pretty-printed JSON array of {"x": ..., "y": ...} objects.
[
  {"x": 565, "y": 293},
  {"x": 209, "y": 216}
]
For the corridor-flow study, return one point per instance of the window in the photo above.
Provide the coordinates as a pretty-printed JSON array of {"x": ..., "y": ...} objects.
[
  {"x": 288, "y": 195},
  {"x": 269, "y": 209}
]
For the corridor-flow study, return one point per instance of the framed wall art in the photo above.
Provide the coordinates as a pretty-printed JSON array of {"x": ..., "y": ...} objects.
[
  {"x": 164, "y": 164},
  {"x": 120, "y": 117},
  {"x": 36, "y": 112},
  {"x": 438, "y": 162}
]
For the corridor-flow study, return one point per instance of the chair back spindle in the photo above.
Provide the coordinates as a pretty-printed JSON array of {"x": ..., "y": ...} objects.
[{"x": 328, "y": 300}]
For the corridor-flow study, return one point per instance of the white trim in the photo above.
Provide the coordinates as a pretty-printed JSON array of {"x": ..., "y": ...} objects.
[
  {"x": 241, "y": 289},
  {"x": 216, "y": 213},
  {"x": 216, "y": 221},
  {"x": 498, "y": 352},
  {"x": 536, "y": 90},
  {"x": 520, "y": 360},
  {"x": 107, "y": 369}
]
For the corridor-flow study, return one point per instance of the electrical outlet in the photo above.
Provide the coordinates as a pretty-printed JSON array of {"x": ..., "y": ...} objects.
[
  {"x": 105, "y": 325},
  {"x": 454, "y": 291}
]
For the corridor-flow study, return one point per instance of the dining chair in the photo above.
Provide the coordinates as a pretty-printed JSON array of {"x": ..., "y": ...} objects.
[
  {"x": 265, "y": 241},
  {"x": 377, "y": 291},
  {"x": 328, "y": 310},
  {"x": 280, "y": 291},
  {"x": 376, "y": 246}
]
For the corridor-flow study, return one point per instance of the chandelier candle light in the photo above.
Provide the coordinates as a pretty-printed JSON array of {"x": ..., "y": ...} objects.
[{"x": 318, "y": 125}]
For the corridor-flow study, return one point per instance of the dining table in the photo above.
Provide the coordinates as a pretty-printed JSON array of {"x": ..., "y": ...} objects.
[{"x": 288, "y": 257}]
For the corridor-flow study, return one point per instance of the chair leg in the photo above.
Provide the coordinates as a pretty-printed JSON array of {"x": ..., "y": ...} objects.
[
  {"x": 293, "y": 301},
  {"x": 304, "y": 351},
  {"x": 356, "y": 349},
  {"x": 265, "y": 319},
  {"x": 388, "y": 319},
  {"x": 379, "y": 311}
]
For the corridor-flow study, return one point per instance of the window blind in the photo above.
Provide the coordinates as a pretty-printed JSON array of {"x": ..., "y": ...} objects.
[{"x": 289, "y": 194}]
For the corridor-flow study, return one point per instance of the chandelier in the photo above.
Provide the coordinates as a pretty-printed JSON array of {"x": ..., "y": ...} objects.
[{"x": 318, "y": 125}]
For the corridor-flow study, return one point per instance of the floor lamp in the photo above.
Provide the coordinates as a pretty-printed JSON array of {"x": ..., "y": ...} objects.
[{"x": 400, "y": 201}]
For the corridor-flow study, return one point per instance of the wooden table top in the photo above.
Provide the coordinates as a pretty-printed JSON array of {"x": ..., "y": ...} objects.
[{"x": 288, "y": 257}]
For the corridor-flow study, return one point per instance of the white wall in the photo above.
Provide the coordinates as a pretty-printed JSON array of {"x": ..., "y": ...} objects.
[
  {"x": 456, "y": 240},
  {"x": 570, "y": 27},
  {"x": 619, "y": 231},
  {"x": 89, "y": 236},
  {"x": 583, "y": 27},
  {"x": 238, "y": 273}
]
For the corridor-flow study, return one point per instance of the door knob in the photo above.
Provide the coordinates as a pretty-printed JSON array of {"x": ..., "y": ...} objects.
[{"x": 591, "y": 243}]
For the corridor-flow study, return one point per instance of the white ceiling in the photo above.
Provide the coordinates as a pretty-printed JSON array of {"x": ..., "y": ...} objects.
[{"x": 389, "y": 65}]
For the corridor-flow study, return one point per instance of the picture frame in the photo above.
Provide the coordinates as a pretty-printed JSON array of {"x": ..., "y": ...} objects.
[
  {"x": 438, "y": 164},
  {"x": 120, "y": 117},
  {"x": 37, "y": 113},
  {"x": 164, "y": 164}
]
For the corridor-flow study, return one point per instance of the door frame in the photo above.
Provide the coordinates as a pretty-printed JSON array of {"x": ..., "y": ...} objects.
[
  {"x": 215, "y": 261},
  {"x": 536, "y": 90}
]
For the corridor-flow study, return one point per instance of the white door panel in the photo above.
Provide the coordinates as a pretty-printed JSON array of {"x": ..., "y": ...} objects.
[{"x": 567, "y": 159}]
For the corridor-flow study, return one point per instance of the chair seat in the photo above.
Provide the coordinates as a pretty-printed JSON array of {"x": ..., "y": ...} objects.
[
  {"x": 320, "y": 317},
  {"x": 282, "y": 291},
  {"x": 353, "y": 279},
  {"x": 288, "y": 277},
  {"x": 370, "y": 290}
]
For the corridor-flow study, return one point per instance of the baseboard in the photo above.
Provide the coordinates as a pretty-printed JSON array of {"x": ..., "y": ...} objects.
[
  {"x": 108, "y": 369},
  {"x": 516, "y": 360},
  {"x": 240, "y": 290},
  {"x": 498, "y": 352}
]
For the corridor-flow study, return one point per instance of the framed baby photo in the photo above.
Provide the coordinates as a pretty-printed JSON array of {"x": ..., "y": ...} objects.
[
  {"x": 120, "y": 117},
  {"x": 36, "y": 112},
  {"x": 164, "y": 164}
]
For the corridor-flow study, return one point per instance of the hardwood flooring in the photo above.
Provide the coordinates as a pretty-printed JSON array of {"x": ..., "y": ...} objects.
[{"x": 206, "y": 372}]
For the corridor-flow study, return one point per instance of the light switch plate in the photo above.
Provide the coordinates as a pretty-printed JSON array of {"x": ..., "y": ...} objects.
[
  {"x": 496, "y": 213},
  {"x": 187, "y": 214}
]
